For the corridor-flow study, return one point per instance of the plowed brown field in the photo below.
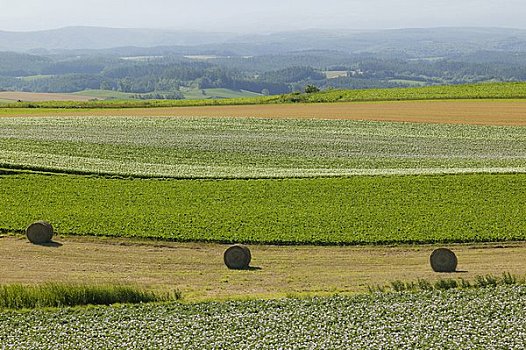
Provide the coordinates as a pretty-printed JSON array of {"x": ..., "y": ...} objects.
[{"x": 484, "y": 112}]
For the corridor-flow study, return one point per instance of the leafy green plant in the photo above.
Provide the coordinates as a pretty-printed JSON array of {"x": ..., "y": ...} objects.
[
  {"x": 445, "y": 284},
  {"x": 465, "y": 283},
  {"x": 424, "y": 284},
  {"x": 480, "y": 281},
  {"x": 356, "y": 210},
  {"x": 508, "y": 278},
  {"x": 486, "y": 281},
  {"x": 398, "y": 286}
]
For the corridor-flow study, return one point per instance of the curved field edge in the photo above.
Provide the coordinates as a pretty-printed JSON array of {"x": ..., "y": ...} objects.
[
  {"x": 260, "y": 174},
  {"x": 480, "y": 318},
  {"x": 255, "y": 148},
  {"x": 324, "y": 211},
  {"x": 473, "y": 91}
]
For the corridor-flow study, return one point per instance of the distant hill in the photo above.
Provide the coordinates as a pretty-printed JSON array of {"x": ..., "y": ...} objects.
[
  {"x": 153, "y": 64},
  {"x": 96, "y": 38},
  {"x": 19, "y": 64},
  {"x": 417, "y": 42}
]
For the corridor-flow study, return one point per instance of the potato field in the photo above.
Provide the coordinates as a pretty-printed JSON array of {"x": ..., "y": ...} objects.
[
  {"x": 256, "y": 148},
  {"x": 475, "y": 319}
]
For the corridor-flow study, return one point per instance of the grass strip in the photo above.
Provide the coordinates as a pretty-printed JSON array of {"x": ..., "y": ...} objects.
[
  {"x": 17, "y": 296},
  {"x": 480, "y": 281}
]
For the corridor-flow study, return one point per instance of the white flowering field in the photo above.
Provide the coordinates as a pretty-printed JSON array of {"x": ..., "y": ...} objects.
[
  {"x": 492, "y": 318},
  {"x": 256, "y": 148}
]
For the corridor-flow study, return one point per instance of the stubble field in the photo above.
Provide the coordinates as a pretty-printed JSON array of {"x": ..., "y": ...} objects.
[
  {"x": 197, "y": 270},
  {"x": 478, "y": 112},
  {"x": 14, "y": 96}
]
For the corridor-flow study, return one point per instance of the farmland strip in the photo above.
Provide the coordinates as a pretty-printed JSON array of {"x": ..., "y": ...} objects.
[
  {"x": 256, "y": 148},
  {"x": 357, "y": 210}
]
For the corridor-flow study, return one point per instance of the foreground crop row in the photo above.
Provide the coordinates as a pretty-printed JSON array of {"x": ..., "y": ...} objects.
[
  {"x": 256, "y": 148},
  {"x": 356, "y": 210},
  {"x": 487, "y": 318}
]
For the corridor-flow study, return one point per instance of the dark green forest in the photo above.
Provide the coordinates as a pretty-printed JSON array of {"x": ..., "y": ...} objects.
[{"x": 434, "y": 58}]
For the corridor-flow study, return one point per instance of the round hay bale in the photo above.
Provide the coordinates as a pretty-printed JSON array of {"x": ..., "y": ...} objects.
[
  {"x": 39, "y": 232},
  {"x": 237, "y": 257},
  {"x": 443, "y": 260}
]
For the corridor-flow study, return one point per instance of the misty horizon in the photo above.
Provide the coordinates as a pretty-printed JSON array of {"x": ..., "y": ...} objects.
[
  {"x": 234, "y": 33},
  {"x": 235, "y": 16}
]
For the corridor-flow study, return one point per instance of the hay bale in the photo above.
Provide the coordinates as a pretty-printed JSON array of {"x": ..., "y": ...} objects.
[
  {"x": 39, "y": 232},
  {"x": 237, "y": 257},
  {"x": 443, "y": 260}
]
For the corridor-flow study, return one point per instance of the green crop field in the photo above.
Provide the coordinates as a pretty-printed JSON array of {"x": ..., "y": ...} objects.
[
  {"x": 255, "y": 148},
  {"x": 105, "y": 94},
  {"x": 477, "y": 91},
  {"x": 408, "y": 82},
  {"x": 36, "y": 77},
  {"x": 486, "y": 318},
  {"x": 355, "y": 210},
  {"x": 216, "y": 93}
]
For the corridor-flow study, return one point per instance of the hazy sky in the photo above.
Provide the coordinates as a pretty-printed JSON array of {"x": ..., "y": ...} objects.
[{"x": 260, "y": 16}]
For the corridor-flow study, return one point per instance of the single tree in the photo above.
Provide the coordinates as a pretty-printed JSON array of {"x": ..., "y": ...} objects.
[{"x": 309, "y": 89}]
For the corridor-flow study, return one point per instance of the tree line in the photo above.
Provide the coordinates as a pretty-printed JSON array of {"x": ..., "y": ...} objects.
[{"x": 271, "y": 74}]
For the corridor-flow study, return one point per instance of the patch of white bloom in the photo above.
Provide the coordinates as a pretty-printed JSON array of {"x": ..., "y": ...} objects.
[
  {"x": 491, "y": 318},
  {"x": 248, "y": 148}
]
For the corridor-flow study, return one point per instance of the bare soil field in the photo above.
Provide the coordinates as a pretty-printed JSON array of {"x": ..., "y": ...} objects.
[
  {"x": 40, "y": 97},
  {"x": 483, "y": 112},
  {"x": 198, "y": 271}
]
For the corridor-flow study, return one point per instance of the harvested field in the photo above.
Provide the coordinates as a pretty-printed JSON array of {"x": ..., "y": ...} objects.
[
  {"x": 484, "y": 112},
  {"x": 40, "y": 97},
  {"x": 199, "y": 272}
]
